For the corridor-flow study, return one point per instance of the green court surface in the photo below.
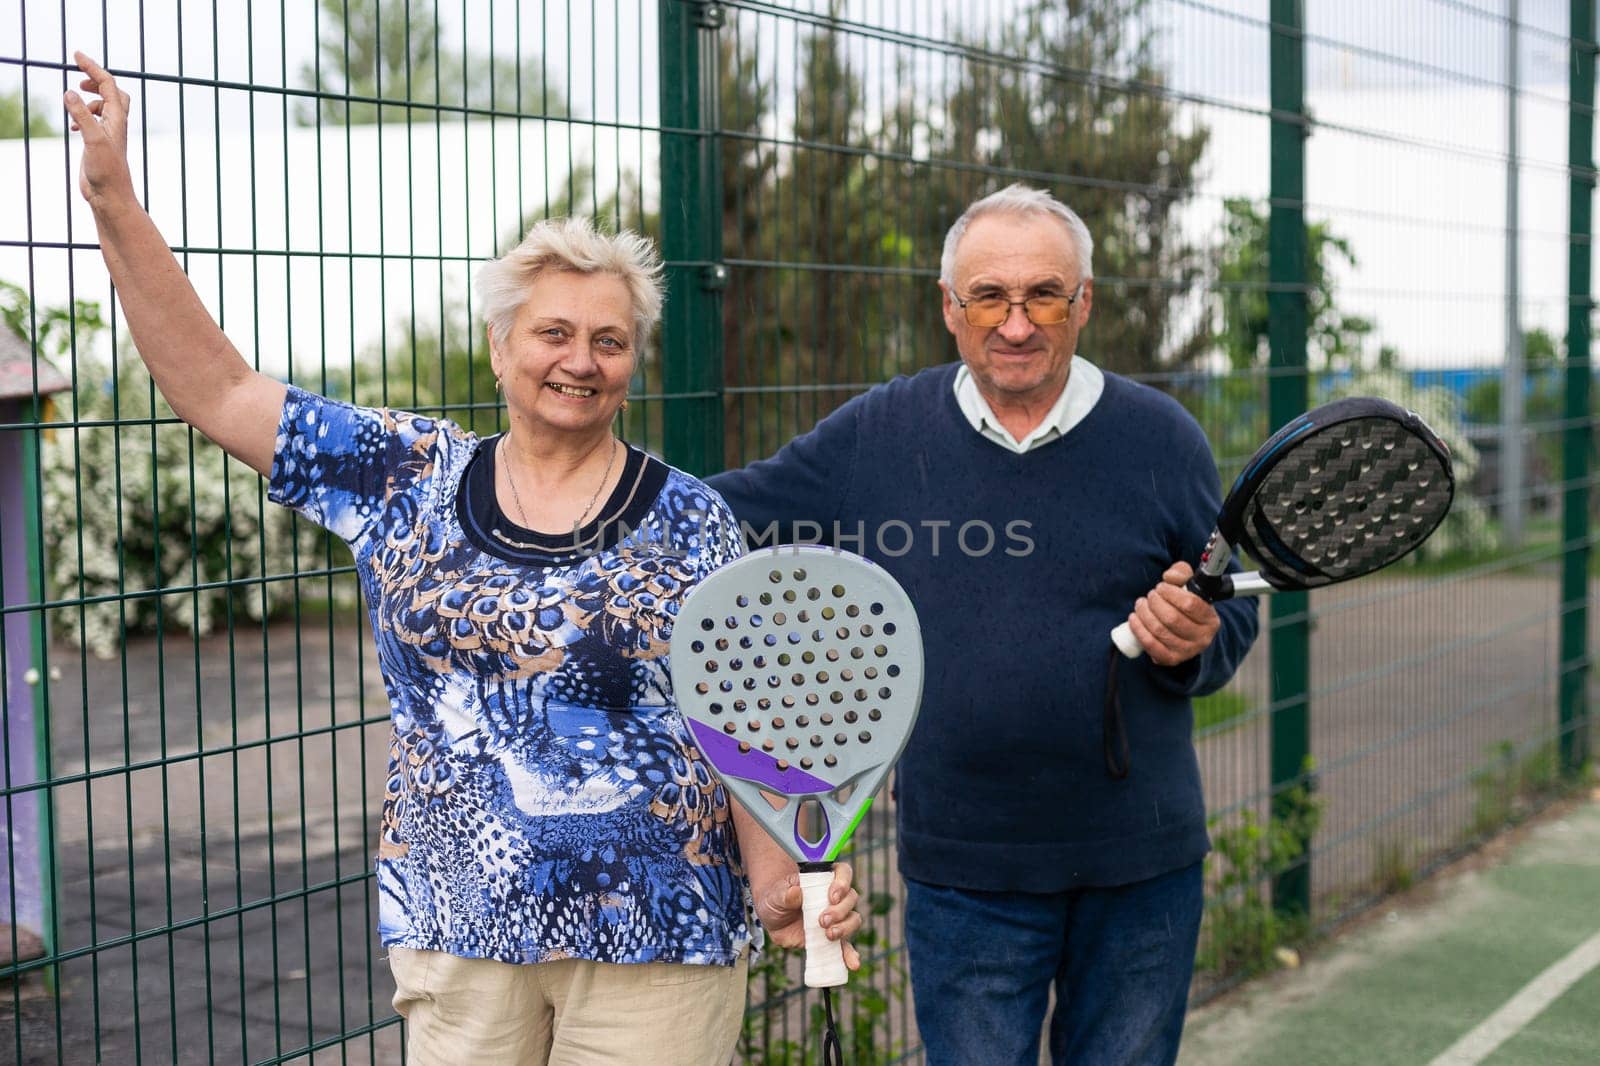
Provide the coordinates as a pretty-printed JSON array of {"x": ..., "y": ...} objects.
[{"x": 1495, "y": 963}]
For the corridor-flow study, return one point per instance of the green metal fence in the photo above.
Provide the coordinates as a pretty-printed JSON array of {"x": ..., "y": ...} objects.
[{"x": 1290, "y": 201}]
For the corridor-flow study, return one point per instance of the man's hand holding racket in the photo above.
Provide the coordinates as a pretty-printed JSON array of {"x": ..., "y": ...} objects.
[
  {"x": 1173, "y": 624},
  {"x": 1338, "y": 493}
]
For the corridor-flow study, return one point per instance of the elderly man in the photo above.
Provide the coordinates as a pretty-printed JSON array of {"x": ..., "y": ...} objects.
[{"x": 1026, "y": 499}]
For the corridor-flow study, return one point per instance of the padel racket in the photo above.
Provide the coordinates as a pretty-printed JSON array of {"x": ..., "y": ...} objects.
[
  {"x": 1339, "y": 492},
  {"x": 799, "y": 672}
]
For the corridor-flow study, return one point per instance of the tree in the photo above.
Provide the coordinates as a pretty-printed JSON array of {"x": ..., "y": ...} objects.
[
  {"x": 14, "y": 124},
  {"x": 53, "y": 329},
  {"x": 390, "y": 50},
  {"x": 1087, "y": 107},
  {"x": 442, "y": 367},
  {"x": 1335, "y": 340},
  {"x": 1544, "y": 400},
  {"x": 1542, "y": 360},
  {"x": 814, "y": 218}
]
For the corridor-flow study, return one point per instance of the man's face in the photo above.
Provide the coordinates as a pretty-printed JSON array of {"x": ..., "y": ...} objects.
[{"x": 1016, "y": 257}]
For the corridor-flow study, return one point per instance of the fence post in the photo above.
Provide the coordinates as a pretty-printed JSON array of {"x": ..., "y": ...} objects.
[
  {"x": 1577, "y": 461},
  {"x": 1286, "y": 398},
  {"x": 691, "y": 238},
  {"x": 27, "y": 901}
]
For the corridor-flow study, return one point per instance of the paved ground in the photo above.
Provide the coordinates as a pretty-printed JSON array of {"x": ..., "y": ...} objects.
[
  {"x": 1416, "y": 686},
  {"x": 257, "y": 856},
  {"x": 1429, "y": 968}
]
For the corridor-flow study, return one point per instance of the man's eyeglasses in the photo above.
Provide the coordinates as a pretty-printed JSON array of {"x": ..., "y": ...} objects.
[{"x": 989, "y": 311}]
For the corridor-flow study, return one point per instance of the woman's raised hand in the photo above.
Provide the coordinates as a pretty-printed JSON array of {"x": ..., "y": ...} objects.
[
  {"x": 103, "y": 174},
  {"x": 196, "y": 368}
]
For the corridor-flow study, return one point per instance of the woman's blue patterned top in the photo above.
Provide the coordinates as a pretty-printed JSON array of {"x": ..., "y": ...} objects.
[{"x": 544, "y": 800}]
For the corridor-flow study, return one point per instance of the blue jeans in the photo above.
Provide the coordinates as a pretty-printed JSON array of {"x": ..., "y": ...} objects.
[{"x": 982, "y": 964}]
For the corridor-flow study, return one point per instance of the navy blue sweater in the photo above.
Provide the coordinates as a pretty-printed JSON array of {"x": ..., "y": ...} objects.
[{"x": 1019, "y": 567}]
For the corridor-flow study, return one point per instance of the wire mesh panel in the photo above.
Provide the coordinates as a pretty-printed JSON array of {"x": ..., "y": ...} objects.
[
  {"x": 214, "y": 730},
  {"x": 197, "y": 740},
  {"x": 1438, "y": 164}
]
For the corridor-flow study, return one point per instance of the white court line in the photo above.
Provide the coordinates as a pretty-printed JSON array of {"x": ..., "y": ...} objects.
[{"x": 1523, "y": 1007}]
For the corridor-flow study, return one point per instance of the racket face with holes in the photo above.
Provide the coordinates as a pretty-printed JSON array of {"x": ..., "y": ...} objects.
[
  {"x": 799, "y": 672},
  {"x": 1339, "y": 492}
]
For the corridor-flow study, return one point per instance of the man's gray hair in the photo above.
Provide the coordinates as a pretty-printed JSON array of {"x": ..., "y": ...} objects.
[
  {"x": 577, "y": 245},
  {"x": 1019, "y": 199}
]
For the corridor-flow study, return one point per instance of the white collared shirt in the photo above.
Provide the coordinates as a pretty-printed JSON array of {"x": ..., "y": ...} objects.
[{"x": 1085, "y": 383}]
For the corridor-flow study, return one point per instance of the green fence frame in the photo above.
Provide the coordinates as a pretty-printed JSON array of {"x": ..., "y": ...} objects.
[
  {"x": 213, "y": 896},
  {"x": 1578, "y": 460}
]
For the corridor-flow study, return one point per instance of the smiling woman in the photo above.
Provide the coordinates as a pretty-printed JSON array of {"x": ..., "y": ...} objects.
[
  {"x": 546, "y": 815},
  {"x": 563, "y": 355}
]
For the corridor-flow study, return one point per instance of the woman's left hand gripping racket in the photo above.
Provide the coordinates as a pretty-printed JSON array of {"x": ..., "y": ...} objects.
[{"x": 799, "y": 672}]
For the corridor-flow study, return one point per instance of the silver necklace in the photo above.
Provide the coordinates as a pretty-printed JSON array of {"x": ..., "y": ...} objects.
[{"x": 522, "y": 513}]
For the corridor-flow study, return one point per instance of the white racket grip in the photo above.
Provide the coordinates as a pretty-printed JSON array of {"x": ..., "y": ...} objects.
[
  {"x": 824, "y": 958},
  {"x": 1126, "y": 642}
]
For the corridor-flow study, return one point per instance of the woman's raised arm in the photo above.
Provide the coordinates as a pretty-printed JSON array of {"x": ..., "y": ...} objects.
[{"x": 195, "y": 366}]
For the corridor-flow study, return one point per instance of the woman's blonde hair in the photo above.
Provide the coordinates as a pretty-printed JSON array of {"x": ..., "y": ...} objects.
[{"x": 577, "y": 245}]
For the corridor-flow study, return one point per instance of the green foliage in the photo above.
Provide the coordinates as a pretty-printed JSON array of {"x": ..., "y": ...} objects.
[
  {"x": 53, "y": 329},
  {"x": 1334, "y": 340},
  {"x": 861, "y": 1007},
  {"x": 439, "y": 369},
  {"x": 1242, "y": 929},
  {"x": 14, "y": 124},
  {"x": 1133, "y": 163},
  {"x": 390, "y": 50},
  {"x": 836, "y": 233},
  {"x": 181, "y": 513},
  {"x": 1391, "y": 865},
  {"x": 1544, "y": 403},
  {"x": 184, "y": 514},
  {"x": 808, "y": 216},
  {"x": 1542, "y": 358},
  {"x": 1232, "y": 408},
  {"x": 1219, "y": 711},
  {"x": 1512, "y": 783}
]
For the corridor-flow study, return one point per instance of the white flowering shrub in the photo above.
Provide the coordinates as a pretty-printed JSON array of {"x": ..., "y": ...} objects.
[
  {"x": 1467, "y": 529},
  {"x": 153, "y": 525}
]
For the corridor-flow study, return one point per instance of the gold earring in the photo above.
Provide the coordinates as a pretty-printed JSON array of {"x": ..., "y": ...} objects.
[
  {"x": 497, "y": 386},
  {"x": 624, "y": 406}
]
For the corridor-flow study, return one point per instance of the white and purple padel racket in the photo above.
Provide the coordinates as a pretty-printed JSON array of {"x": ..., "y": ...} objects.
[{"x": 799, "y": 672}]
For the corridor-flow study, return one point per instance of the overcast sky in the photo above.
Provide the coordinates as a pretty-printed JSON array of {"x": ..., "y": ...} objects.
[{"x": 1422, "y": 200}]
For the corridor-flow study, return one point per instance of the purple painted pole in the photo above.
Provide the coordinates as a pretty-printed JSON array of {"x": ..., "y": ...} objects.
[
  {"x": 22, "y": 890},
  {"x": 26, "y": 839}
]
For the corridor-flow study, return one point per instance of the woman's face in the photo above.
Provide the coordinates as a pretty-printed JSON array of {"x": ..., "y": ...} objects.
[{"x": 569, "y": 354}]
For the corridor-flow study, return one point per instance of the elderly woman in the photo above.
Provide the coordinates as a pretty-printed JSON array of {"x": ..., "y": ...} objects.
[{"x": 561, "y": 880}]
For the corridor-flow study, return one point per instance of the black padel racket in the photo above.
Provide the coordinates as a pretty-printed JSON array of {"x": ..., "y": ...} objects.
[
  {"x": 799, "y": 672},
  {"x": 1339, "y": 492}
]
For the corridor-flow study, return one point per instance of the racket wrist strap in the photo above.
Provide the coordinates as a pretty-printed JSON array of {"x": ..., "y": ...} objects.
[{"x": 1113, "y": 734}]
